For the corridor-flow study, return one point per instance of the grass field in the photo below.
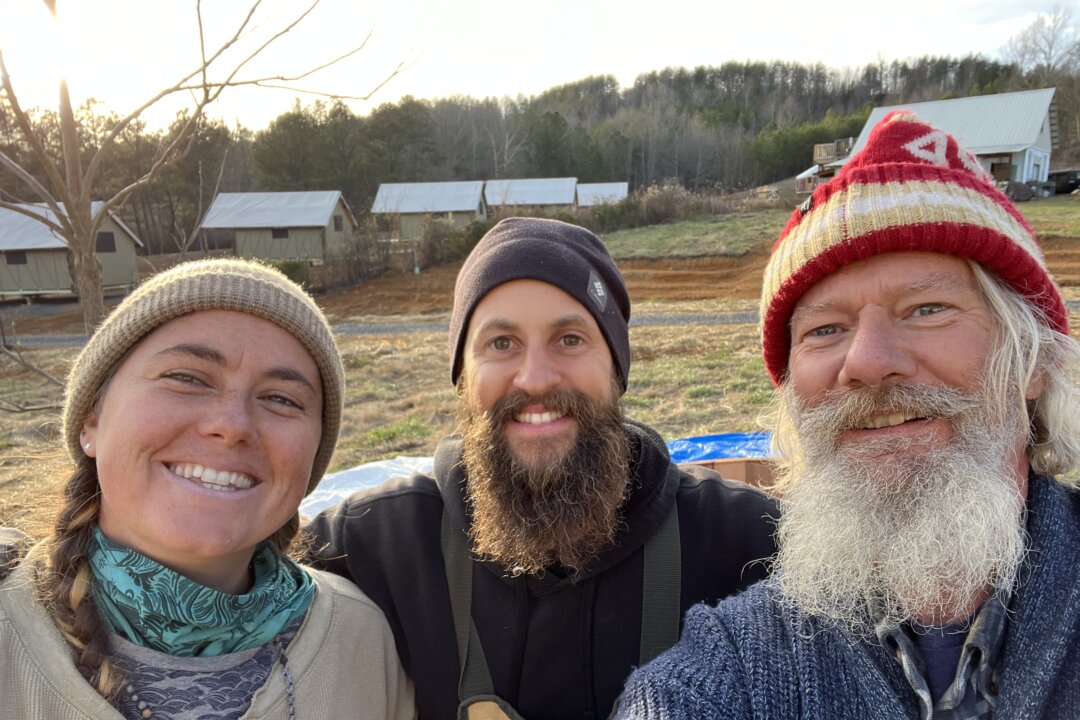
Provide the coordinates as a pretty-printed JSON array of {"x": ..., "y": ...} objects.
[
  {"x": 686, "y": 380},
  {"x": 731, "y": 234}
]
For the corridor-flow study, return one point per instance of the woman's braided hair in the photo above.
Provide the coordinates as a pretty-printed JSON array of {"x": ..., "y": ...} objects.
[{"x": 65, "y": 580}]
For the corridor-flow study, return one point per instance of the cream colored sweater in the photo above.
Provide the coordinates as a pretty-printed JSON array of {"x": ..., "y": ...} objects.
[{"x": 343, "y": 662}]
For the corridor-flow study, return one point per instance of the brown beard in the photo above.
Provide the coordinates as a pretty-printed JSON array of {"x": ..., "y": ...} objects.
[{"x": 556, "y": 515}]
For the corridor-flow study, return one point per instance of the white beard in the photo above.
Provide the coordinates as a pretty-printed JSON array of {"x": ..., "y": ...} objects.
[{"x": 891, "y": 531}]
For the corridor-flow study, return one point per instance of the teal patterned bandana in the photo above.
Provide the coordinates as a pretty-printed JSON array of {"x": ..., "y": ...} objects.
[{"x": 153, "y": 606}]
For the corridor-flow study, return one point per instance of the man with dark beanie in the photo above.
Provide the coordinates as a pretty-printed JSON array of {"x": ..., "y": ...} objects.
[{"x": 556, "y": 546}]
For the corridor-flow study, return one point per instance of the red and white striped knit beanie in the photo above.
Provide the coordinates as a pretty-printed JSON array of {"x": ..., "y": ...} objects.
[{"x": 911, "y": 188}]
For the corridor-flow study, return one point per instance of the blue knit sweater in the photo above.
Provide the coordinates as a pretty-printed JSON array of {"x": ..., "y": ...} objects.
[{"x": 749, "y": 658}]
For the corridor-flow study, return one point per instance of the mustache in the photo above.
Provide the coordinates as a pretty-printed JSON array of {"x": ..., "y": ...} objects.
[
  {"x": 563, "y": 402},
  {"x": 846, "y": 408}
]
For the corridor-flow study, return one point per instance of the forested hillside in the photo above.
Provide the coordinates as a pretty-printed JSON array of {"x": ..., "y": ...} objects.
[{"x": 722, "y": 128}]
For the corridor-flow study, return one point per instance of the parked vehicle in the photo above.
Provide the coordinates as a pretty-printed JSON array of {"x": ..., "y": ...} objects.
[{"x": 1065, "y": 181}]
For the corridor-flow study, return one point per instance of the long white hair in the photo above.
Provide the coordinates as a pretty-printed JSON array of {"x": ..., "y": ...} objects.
[{"x": 1027, "y": 351}]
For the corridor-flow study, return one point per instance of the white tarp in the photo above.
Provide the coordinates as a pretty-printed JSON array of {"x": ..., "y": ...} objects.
[{"x": 335, "y": 487}]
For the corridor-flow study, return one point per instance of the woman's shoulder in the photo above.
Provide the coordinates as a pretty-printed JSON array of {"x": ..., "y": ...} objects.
[{"x": 340, "y": 594}]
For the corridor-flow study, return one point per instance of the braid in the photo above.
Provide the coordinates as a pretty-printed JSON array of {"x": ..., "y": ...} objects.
[{"x": 64, "y": 586}]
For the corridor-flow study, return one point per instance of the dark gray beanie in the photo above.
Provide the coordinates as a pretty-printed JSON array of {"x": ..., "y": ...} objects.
[{"x": 567, "y": 256}]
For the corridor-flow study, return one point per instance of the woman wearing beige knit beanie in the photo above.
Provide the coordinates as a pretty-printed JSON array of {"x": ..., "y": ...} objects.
[{"x": 199, "y": 414}]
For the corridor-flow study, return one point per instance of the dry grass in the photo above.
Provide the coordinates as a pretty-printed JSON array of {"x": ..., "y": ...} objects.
[{"x": 685, "y": 380}]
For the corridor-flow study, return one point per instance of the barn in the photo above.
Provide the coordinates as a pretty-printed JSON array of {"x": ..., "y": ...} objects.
[
  {"x": 35, "y": 259},
  {"x": 1011, "y": 134},
  {"x": 409, "y": 206},
  {"x": 312, "y": 225}
]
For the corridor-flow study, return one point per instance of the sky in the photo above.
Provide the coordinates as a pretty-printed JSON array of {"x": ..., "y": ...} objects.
[{"x": 123, "y": 52}]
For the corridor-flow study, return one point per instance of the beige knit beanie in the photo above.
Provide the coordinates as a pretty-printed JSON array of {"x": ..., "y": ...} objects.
[{"x": 224, "y": 284}]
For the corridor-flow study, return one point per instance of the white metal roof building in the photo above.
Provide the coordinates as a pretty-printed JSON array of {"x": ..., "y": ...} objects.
[
  {"x": 1012, "y": 134},
  {"x": 535, "y": 191},
  {"x": 433, "y": 197},
  {"x": 273, "y": 209},
  {"x": 409, "y": 208},
  {"x": 34, "y": 260},
  {"x": 589, "y": 194},
  {"x": 20, "y": 232},
  {"x": 310, "y": 225}
]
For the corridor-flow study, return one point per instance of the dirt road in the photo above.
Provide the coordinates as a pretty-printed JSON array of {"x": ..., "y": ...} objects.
[{"x": 705, "y": 278}]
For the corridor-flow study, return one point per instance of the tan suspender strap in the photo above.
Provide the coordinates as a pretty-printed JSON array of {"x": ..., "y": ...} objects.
[
  {"x": 475, "y": 678},
  {"x": 661, "y": 589}
]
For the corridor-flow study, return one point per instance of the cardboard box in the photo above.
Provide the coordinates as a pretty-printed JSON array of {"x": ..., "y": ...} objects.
[{"x": 753, "y": 471}]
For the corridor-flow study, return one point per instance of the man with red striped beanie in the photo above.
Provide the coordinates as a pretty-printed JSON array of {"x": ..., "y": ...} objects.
[{"x": 927, "y": 437}]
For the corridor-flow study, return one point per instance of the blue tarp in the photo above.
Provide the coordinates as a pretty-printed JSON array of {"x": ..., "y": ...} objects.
[
  {"x": 335, "y": 487},
  {"x": 715, "y": 447}
]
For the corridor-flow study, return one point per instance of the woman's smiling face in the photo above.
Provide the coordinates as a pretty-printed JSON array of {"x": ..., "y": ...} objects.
[{"x": 204, "y": 442}]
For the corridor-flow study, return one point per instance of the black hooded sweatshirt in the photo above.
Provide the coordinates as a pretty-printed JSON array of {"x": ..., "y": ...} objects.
[{"x": 556, "y": 649}]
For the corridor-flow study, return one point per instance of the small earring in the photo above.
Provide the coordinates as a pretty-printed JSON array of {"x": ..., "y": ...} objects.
[{"x": 86, "y": 446}]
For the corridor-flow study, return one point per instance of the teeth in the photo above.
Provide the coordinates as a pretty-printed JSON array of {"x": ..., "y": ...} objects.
[
  {"x": 538, "y": 418},
  {"x": 881, "y": 421},
  {"x": 214, "y": 479}
]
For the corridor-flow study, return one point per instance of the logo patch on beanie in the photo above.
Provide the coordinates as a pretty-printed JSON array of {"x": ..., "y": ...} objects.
[{"x": 597, "y": 291}]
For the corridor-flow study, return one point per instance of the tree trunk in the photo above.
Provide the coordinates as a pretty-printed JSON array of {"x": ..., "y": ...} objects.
[{"x": 86, "y": 275}]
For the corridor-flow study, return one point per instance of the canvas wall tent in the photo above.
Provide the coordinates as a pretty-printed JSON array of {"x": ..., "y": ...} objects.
[
  {"x": 35, "y": 259},
  {"x": 312, "y": 225},
  {"x": 551, "y": 193},
  {"x": 590, "y": 194},
  {"x": 1011, "y": 134},
  {"x": 408, "y": 206}
]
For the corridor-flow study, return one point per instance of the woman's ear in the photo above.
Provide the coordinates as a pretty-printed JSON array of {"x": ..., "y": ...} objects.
[{"x": 88, "y": 435}]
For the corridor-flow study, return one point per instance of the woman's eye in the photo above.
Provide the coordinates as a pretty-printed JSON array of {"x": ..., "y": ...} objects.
[
  {"x": 501, "y": 343},
  {"x": 284, "y": 400},
  {"x": 182, "y": 377},
  {"x": 571, "y": 340},
  {"x": 928, "y": 309}
]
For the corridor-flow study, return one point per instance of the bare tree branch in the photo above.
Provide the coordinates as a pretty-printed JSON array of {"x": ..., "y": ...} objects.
[
  {"x": 18, "y": 359},
  {"x": 23, "y": 121},
  {"x": 12, "y": 407},
  {"x": 69, "y": 191},
  {"x": 22, "y": 210}
]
